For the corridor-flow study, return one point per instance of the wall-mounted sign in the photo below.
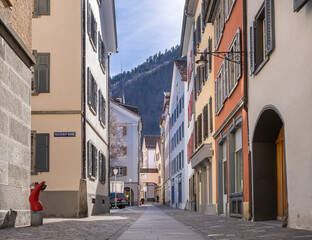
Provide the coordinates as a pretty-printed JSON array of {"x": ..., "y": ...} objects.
[{"x": 64, "y": 134}]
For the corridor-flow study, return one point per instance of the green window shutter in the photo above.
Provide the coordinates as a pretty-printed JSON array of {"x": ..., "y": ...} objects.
[
  {"x": 89, "y": 23},
  {"x": 89, "y": 80},
  {"x": 252, "y": 53},
  {"x": 298, "y": 4},
  {"x": 42, "y": 152},
  {"x": 90, "y": 150},
  {"x": 43, "y": 72},
  {"x": 269, "y": 26}
]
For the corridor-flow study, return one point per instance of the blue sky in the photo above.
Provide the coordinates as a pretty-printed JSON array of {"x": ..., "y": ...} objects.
[{"x": 145, "y": 27}]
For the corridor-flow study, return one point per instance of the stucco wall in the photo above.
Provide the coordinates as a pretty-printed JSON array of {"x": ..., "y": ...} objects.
[
  {"x": 285, "y": 83},
  {"x": 19, "y": 16}
]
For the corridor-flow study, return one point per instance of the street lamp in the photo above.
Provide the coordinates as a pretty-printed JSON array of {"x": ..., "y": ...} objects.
[
  {"x": 115, "y": 171},
  {"x": 130, "y": 180}
]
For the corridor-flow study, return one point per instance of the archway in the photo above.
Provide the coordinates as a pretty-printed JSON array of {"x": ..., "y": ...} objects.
[
  {"x": 127, "y": 193},
  {"x": 269, "y": 167}
]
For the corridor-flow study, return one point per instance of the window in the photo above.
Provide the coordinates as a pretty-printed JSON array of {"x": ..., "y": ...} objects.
[
  {"x": 238, "y": 161},
  {"x": 92, "y": 27},
  {"x": 122, "y": 171},
  {"x": 102, "y": 108},
  {"x": 124, "y": 130},
  {"x": 143, "y": 176},
  {"x": 102, "y": 53},
  {"x": 92, "y": 92},
  {"x": 40, "y": 152},
  {"x": 41, "y": 7},
  {"x": 41, "y": 81},
  {"x": 102, "y": 166},
  {"x": 92, "y": 160},
  {"x": 261, "y": 37}
]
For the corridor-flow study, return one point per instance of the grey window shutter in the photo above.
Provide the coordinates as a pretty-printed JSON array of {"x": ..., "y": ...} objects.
[
  {"x": 100, "y": 48},
  {"x": 238, "y": 55},
  {"x": 43, "y": 7},
  {"x": 216, "y": 96},
  {"x": 101, "y": 167},
  {"x": 205, "y": 113},
  {"x": 210, "y": 115},
  {"x": 269, "y": 26},
  {"x": 104, "y": 169},
  {"x": 95, "y": 33},
  {"x": 104, "y": 111},
  {"x": 89, "y": 79},
  {"x": 90, "y": 150},
  {"x": 198, "y": 30},
  {"x": 42, "y": 152},
  {"x": 195, "y": 87},
  {"x": 210, "y": 56},
  {"x": 36, "y": 8},
  {"x": 194, "y": 43},
  {"x": 100, "y": 105},
  {"x": 95, "y": 96},
  {"x": 95, "y": 163},
  {"x": 195, "y": 129},
  {"x": 298, "y": 4},
  {"x": 43, "y": 72},
  {"x": 252, "y": 53},
  {"x": 89, "y": 23}
]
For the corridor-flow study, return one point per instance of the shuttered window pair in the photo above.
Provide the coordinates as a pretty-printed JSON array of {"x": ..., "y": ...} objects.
[
  {"x": 102, "y": 108},
  {"x": 102, "y": 168},
  {"x": 41, "y": 80},
  {"x": 41, "y": 7},
  {"x": 262, "y": 36},
  {"x": 92, "y": 160},
  {"x": 40, "y": 152},
  {"x": 92, "y": 26},
  {"x": 92, "y": 91},
  {"x": 102, "y": 53},
  {"x": 122, "y": 171}
]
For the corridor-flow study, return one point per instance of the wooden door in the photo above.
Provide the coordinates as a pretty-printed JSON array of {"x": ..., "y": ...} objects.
[{"x": 282, "y": 203}]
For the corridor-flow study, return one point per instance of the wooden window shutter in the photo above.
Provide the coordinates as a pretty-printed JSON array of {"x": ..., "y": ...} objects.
[
  {"x": 124, "y": 150},
  {"x": 210, "y": 115},
  {"x": 238, "y": 55},
  {"x": 42, "y": 152},
  {"x": 90, "y": 154},
  {"x": 124, "y": 171},
  {"x": 89, "y": 80},
  {"x": 43, "y": 72},
  {"x": 252, "y": 53},
  {"x": 112, "y": 171},
  {"x": 89, "y": 21},
  {"x": 124, "y": 130},
  {"x": 269, "y": 26},
  {"x": 195, "y": 129},
  {"x": 299, "y": 4},
  {"x": 205, "y": 113}
]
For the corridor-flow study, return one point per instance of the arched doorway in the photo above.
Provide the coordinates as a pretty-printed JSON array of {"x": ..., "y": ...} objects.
[
  {"x": 269, "y": 167},
  {"x": 127, "y": 193}
]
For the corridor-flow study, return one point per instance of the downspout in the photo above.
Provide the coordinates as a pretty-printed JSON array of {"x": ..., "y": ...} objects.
[
  {"x": 108, "y": 123},
  {"x": 245, "y": 68}
]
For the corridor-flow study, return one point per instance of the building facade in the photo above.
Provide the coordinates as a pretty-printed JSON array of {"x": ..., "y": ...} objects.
[
  {"x": 16, "y": 63},
  {"x": 178, "y": 169},
  {"x": 148, "y": 169},
  {"x": 280, "y": 143},
  {"x": 128, "y": 166},
  {"x": 231, "y": 136},
  {"x": 70, "y": 139},
  {"x": 158, "y": 162}
]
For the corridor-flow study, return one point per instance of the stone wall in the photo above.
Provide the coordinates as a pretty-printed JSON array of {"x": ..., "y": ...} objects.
[
  {"x": 19, "y": 15},
  {"x": 15, "y": 125}
]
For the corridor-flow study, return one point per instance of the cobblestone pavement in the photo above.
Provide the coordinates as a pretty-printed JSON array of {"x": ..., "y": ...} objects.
[
  {"x": 106, "y": 226},
  {"x": 219, "y": 227}
]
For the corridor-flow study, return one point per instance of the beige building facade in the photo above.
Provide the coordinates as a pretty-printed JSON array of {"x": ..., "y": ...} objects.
[
  {"x": 16, "y": 63},
  {"x": 72, "y": 42},
  {"x": 279, "y": 110}
]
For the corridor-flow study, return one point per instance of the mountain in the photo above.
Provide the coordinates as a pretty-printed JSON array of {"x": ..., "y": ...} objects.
[{"x": 144, "y": 87}]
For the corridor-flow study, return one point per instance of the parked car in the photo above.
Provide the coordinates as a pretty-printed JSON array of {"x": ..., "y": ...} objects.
[{"x": 121, "y": 200}]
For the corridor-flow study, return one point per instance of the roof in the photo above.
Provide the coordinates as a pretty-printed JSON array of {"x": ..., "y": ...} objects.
[
  {"x": 182, "y": 67},
  {"x": 151, "y": 140},
  {"x": 132, "y": 108}
]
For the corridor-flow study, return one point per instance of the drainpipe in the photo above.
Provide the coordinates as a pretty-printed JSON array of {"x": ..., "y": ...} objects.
[
  {"x": 108, "y": 123},
  {"x": 245, "y": 64}
]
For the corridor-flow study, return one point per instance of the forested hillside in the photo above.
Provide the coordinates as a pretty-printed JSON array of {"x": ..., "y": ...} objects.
[{"x": 144, "y": 87}]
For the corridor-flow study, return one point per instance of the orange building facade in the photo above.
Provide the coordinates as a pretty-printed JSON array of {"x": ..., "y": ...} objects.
[{"x": 231, "y": 134}]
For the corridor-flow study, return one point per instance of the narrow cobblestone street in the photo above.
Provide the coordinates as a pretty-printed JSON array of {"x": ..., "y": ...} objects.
[{"x": 154, "y": 222}]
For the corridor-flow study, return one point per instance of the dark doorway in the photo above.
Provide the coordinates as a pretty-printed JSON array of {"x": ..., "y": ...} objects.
[{"x": 267, "y": 167}]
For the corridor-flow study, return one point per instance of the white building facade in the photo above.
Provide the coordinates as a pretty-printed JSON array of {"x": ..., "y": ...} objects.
[
  {"x": 128, "y": 166},
  {"x": 178, "y": 168}
]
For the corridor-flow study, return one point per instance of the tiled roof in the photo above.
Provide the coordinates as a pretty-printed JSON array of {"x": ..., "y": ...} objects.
[
  {"x": 182, "y": 67},
  {"x": 151, "y": 140}
]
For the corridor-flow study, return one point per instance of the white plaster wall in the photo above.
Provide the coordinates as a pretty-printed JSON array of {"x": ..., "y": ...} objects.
[{"x": 285, "y": 82}]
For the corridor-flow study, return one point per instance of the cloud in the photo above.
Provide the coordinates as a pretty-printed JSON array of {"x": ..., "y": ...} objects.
[{"x": 145, "y": 27}]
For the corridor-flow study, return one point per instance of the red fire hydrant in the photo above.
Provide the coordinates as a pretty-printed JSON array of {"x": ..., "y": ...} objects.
[{"x": 35, "y": 204}]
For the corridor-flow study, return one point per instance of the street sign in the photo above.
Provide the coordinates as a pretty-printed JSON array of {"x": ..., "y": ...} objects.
[{"x": 64, "y": 134}]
